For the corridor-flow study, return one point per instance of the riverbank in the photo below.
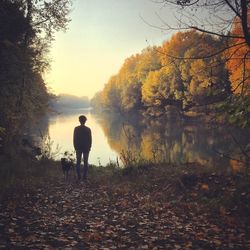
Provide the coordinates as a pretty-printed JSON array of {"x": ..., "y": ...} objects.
[{"x": 148, "y": 207}]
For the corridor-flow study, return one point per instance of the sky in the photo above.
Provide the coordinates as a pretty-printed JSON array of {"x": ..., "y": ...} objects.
[{"x": 100, "y": 36}]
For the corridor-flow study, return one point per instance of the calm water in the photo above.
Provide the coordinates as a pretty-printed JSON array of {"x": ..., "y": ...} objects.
[
  {"x": 157, "y": 140},
  {"x": 61, "y": 127}
]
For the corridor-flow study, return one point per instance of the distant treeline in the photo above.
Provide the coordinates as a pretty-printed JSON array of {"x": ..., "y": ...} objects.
[
  {"x": 66, "y": 101},
  {"x": 190, "y": 72}
]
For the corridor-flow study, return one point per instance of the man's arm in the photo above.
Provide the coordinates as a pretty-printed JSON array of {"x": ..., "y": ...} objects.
[{"x": 90, "y": 139}]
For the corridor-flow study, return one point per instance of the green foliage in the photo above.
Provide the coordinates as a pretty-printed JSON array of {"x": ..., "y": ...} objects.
[
  {"x": 236, "y": 110},
  {"x": 26, "y": 31}
]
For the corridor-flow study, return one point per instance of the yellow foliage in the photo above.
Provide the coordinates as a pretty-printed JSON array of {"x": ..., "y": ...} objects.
[
  {"x": 200, "y": 77},
  {"x": 154, "y": 80}
]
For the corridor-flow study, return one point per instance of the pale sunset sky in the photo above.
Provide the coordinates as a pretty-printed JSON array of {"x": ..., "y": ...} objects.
[{"x": 100, "y": 36}]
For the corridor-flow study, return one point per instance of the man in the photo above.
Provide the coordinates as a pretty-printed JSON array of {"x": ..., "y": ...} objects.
[{"x": 82, "y": 143}]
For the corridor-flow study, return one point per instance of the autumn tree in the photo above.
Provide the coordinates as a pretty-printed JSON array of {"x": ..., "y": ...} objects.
[
  {"x": 27, "y": 28},
  {"x": 180, "y": 74},
  {"x": 123, "y": 91},
  {"x": 111, "y": 95},
  {"x": 239, "y": 63},
  {"x": 156, "y": 88},
  {"x": 187, "y": 77},
  {"x": 133, "y": 74},
  {"x": 227, "y": 20},
  {"x": 130, "y": 86},
  {"x": 212, "y": 17},
  {"x": 237, "y": 109}
]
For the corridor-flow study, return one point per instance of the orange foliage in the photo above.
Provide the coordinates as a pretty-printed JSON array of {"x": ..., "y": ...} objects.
[
  {"x": 235, "y": 166},
  {"x": 205, "y": 187},
  {"x": 239, "y": 62}
]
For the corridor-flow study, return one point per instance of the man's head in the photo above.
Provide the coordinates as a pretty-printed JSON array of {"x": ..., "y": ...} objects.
[{"x": 82, "y": 119}]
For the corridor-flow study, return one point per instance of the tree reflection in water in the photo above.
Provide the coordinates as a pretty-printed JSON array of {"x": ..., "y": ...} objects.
[{"x": 174, "y": 142}]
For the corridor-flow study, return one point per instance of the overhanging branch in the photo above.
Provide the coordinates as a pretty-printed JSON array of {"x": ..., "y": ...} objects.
[
  {"x": 205, "y": 56},
  {"x": 215, "y": 33}
]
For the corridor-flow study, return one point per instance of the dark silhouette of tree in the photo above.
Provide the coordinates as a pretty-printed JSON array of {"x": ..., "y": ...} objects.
[{"x": 27, "y": 28}]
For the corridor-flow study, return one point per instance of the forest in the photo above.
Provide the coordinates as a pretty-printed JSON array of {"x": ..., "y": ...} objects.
[
  {"x": 169, "y": 193},
  {"x": 191, "y": 73},
  {"x": 26, "y": 31}
]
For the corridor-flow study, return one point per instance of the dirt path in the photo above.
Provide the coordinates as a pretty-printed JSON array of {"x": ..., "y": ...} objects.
[{"x": 87, "y": 216}]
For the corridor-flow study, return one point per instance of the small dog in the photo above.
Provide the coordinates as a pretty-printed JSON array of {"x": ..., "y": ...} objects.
[{"x": 66, "y": 166}]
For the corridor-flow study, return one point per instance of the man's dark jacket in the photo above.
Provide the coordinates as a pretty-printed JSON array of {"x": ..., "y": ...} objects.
[{"x": 82, "y": 138}]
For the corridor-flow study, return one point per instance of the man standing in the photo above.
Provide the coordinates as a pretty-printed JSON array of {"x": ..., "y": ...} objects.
[{"x": 82, "y": 143}]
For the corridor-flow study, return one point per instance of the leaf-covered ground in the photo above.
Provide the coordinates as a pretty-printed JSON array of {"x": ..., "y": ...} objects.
[{"x": 91, "y": 215}]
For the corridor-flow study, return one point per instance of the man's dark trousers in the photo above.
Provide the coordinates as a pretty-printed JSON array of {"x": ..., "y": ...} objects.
[{"x": 79, "y": 154}]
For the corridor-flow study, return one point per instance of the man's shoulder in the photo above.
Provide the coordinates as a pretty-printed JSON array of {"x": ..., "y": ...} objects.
[
  {"x": 80, "y": 127},
  {"x": 87, "y": 128}
]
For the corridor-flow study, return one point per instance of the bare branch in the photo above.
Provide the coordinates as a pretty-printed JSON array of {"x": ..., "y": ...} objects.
[
  {"x": 183, "y": 3},
  {"x": 229, "y": 157},
  {"x": 205, "y": 56},
  {"x": 233, "y": 9},
  {"x": 248, "y": 77},
  {"x": 239, "y": 145},
  {"x": 244, "y": 72},
  {"x": 244, "y": 23},
  {"x": 216, "y": 34}
]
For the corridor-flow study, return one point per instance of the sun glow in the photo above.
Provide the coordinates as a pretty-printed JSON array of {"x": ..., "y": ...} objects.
[{"x": 99, "y": 37}]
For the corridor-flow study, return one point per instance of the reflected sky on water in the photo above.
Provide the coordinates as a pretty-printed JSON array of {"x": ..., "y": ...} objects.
[
  {"x": 61, "y": 129},
  {"x": 150, "y": 139}
]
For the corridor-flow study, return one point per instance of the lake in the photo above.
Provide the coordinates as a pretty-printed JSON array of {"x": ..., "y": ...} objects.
[
  {"x": 158, "y": 140},
  {"x": 61, "y": 127}
]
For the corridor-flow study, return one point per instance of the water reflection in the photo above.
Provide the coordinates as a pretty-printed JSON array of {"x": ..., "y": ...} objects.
[
  {"x": 176, "y": 142},
  {"x": 153, "y": 140},
  {"x": 61, "y": 129}
]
